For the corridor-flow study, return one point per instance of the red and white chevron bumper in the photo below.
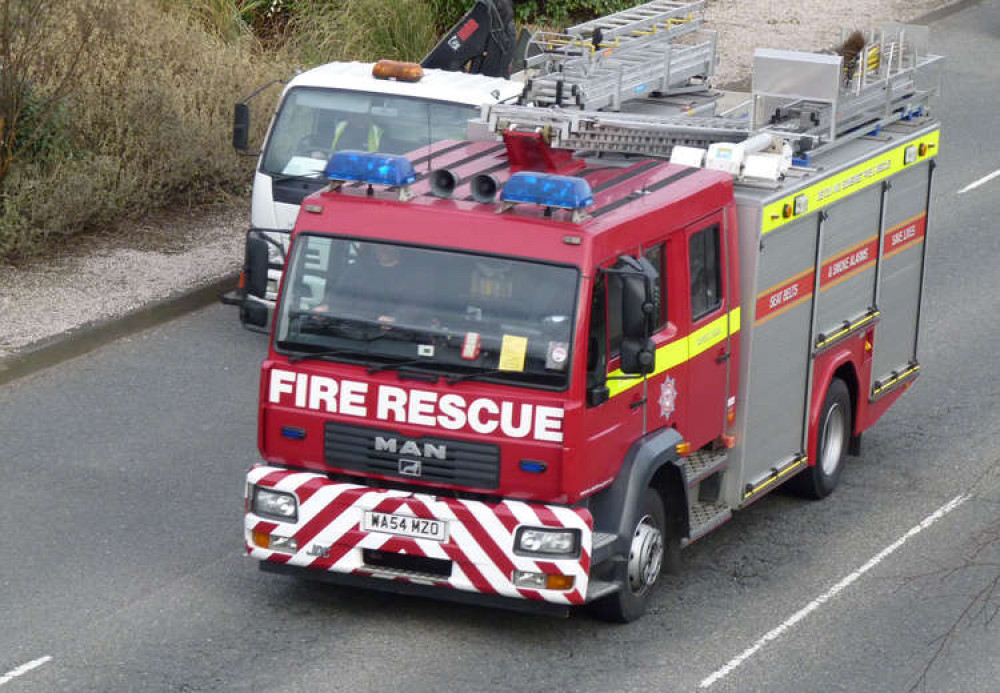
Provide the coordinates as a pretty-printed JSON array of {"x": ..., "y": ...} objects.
[{"x": 477, "y": 555}]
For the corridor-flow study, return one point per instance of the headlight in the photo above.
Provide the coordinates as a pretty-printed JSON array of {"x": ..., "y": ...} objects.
[
  {"x": 271, "y": 503},
  {"x": 275, "y": 254},
  {"x": 555, "y": 542}
]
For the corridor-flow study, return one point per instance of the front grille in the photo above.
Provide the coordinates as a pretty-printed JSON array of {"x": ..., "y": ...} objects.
[{"x": 472, "y": 465}]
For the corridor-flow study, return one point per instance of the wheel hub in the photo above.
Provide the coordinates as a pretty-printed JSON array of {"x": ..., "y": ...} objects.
[
  {"x": 832, "y": 445},
  {"x": 645, "y": 556}
]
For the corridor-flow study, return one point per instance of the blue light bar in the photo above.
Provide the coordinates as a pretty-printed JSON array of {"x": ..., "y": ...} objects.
[
  {"x": 550, "y": 190},
  {"x": 370, "y": 167}
]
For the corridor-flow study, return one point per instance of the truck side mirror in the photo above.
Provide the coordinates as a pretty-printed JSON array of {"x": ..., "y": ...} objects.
[
  {"x": 639, "y": 282},
  {"x": 241, "y": 127},
  {"x": 255, "y": 265},
  {"x": 254, "y": 314}
]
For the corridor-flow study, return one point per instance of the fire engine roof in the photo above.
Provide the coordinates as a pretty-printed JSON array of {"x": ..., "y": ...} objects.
[
  {"x": 624, "y": 190},
  {"x": 438, "y": 85}
]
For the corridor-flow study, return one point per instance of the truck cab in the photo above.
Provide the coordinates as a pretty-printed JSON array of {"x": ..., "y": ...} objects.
[
  {"x": 394, "y": 108},
  {"x": 510, "y": 354}
]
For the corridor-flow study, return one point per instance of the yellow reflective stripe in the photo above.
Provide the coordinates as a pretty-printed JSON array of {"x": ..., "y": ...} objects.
[
  {"x": 708, "y": 336},
  {"x": 775, "y": 476},
  {"x": 734, "y": 321},
  {"x": 680, "y": 350},
  {"x": 839, "y": 186},
  {"x": 374, "y": 137},
  {"x": 341, "y": 126}
]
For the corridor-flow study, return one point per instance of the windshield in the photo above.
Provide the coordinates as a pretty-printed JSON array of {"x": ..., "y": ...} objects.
[
  {"x": 429, "y": 312},
  {"x": 313, "y": 123}
]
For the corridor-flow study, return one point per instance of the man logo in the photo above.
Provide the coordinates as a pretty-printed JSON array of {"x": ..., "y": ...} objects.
[{"x": 409, "y": 467}]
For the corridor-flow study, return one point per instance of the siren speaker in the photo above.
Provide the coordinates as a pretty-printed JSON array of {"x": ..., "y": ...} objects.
[
  {"x": 443, "y": 182},
  {"x": 484, "y": 188}
]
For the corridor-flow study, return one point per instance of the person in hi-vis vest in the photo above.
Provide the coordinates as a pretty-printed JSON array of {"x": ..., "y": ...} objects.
[{"x": 314, "y": 146}]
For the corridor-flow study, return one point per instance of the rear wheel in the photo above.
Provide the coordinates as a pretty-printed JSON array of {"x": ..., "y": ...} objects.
[
  {"x": 832, "y": 437},
  {"x": 638, "y": 573}
]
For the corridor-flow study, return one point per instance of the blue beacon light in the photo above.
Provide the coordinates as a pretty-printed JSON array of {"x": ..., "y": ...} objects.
[
  {"x": 550, "y": 190},
  {"x": 370, "y": 167}
]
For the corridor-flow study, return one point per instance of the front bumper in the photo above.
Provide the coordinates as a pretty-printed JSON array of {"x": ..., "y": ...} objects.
[{"x": 478, "y": 555}]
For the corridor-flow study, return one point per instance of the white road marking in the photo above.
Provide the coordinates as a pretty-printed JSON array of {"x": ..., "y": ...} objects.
[
  {"x": 832, "y": 592},
  {"x": 976, "y": 184},
  {"x": 24, "y": 669}
]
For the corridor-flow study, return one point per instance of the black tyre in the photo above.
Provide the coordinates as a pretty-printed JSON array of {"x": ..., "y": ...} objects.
[
  {"x": 638, "y": 573},
  {"x": 833, "y": 435}
]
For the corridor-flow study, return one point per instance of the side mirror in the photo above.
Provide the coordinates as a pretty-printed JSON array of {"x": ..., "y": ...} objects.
[
  {"x": 255, "y": 265},
  {"x": 638, "y": 356},
  {"x": 241, "y": 127},
  {"x": 253, "y": 313},
  {"x": 639, "y": 282}
]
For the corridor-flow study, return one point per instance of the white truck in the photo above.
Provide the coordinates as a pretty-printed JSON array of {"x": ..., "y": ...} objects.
[{"x": 390, "y": 107}]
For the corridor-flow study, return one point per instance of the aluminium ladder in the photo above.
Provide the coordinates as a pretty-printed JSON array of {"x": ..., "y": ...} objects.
[
  {"x": 892, "y": 81},
  {"x": 627, "y": 55}
]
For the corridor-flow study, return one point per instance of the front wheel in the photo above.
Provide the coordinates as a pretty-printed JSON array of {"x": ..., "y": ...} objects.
[
  {"x": 638, "y": 572},
  {"x": 832, "y": 435}
]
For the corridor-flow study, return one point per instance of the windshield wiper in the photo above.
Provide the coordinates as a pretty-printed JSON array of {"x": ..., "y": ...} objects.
[
  {"x": 396, "y": 365},
  {"x": 322, "y": 355},
  {"x": 285, "y": 177},
  {"x": 477, "y": 374}
]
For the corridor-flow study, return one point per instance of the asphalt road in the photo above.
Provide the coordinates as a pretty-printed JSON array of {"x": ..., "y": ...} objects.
[{"x": 120, "y": 520}]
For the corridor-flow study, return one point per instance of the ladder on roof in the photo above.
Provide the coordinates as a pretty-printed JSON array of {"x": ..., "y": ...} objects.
[
  {"x": 627, "y": 55},
  {"x": 892, "y": 79},
  {"x": 624, "y": 133}
]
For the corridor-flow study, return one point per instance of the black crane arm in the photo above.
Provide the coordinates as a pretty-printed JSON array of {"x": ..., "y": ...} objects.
[{"x": 481, "y": 42}]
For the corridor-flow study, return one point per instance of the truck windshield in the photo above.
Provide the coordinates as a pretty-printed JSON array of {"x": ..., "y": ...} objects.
[
  {"x": 315, "y": 122},
  {"x": 439, "y": 313}
]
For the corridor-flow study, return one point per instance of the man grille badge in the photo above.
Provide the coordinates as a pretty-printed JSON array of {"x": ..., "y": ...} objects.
[{"x": 409, "y": 467}]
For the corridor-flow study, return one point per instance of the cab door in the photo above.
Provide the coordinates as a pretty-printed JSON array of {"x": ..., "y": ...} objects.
[
  {"x": 616, "y": 404},
  {"x": 708, "y": 342}
]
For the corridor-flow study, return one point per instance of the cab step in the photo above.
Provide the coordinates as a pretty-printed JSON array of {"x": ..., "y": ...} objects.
[
  {"x": 598, "y": 588},
  {"x": 702, "y": 464},
  {"x": 704, "y": 517},
  {"x": 603, "y": 547}
]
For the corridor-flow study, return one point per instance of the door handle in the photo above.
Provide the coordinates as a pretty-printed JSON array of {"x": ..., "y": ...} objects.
[{"x": 723, "y": 356}]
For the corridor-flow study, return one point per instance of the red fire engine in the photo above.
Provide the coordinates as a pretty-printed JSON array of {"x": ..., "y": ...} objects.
[{"x": 530, "y": 375}]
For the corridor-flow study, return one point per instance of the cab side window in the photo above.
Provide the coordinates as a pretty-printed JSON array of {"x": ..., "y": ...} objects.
[
  {"x": 613, "y": 284},
  {"x": 597, "y": 359},
  {"x": 655, "y": 255},
  {"x": 706, "y": 275}
]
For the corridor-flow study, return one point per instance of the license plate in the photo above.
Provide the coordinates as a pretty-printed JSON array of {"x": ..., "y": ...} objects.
[{"x": 404, "y": 525}]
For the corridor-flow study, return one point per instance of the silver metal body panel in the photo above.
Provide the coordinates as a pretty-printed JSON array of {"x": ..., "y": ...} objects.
[{"x": 782, "y": 321}]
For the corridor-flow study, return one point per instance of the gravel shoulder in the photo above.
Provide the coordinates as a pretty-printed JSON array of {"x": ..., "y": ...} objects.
[{"x": 93, "y": 281}]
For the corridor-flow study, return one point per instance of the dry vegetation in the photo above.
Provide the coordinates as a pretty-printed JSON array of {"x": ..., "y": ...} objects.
[
  {"x": 144, "y": 120},
  {"x": 110, "y": 109}
]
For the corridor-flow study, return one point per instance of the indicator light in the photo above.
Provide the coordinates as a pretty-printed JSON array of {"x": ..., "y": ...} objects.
[
  {"x": 532, "y": 466},
  {"x": 550, "y": 190},
  {"x": 374, "y": 168},
  {"x": 786, "y": 210},
  {"x": 524, "y": 578},
  {"x": 293, "y": 432},
  {"x": 683, "y": 448},
  {"x": 559, "y": 582}
]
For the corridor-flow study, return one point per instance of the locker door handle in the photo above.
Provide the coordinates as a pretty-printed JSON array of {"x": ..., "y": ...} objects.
[{"x": 723, "y": 356}]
